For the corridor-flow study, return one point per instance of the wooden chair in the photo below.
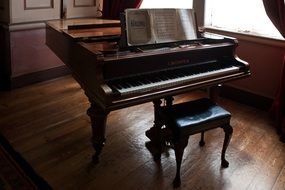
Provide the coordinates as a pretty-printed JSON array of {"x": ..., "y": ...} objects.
[{"x": 185, "y": 119}]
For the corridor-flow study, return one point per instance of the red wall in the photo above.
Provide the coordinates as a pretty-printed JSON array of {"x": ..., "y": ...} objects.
[
  {"x": 265, "y": 63},
  {"x": 29, "y": 53}
]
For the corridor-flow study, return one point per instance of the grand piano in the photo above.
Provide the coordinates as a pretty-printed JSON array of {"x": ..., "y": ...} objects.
[{"x": 115, "y": 77}]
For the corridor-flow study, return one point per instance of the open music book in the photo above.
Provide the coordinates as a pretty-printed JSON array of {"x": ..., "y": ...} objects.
[{"x": 151, "y": 26}]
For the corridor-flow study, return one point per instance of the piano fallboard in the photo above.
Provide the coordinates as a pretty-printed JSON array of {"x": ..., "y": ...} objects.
[{"x": 124, "y": 63}]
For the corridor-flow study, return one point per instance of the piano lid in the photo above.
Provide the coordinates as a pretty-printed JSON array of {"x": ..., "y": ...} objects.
[
  {"x": 91, "y": 34},
  {"x": 87, "y": 29},
  {"x": 78, "y": 23}
]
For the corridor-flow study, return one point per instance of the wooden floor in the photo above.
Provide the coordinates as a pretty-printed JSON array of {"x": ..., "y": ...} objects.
[{"x": 48, "y": 125}]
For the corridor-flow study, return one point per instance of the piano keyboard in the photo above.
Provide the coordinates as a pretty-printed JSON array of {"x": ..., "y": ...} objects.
[{"x": 164, "y": 79}]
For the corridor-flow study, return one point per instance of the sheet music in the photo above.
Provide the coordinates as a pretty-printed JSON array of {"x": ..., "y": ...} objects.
[
  {"x": 149, "y": 26},
  {"x": 138, "y": 27},
  {"x": 165, "y": 26},
  {"x": 187, "y": 23}
]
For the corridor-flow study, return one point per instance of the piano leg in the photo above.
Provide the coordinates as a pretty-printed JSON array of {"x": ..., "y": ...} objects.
[
  {"x": 98, "y": 123},
  {"x": 214, "y": 92},
  {"x": 156, "y": 134},
  {"x": 169, "y": 101}
]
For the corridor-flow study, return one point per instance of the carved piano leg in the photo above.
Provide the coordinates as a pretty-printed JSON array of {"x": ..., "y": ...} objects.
[
  {"x": 154, "y": 133},
  {"x": 98, "y": 123},
  {"x": 214, "y": 92},
  {"x": 169, "y": 101},
  {"x": 168, "y": 133}
]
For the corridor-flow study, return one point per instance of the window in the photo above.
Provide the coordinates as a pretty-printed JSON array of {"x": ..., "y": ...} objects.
[
  {"x": 166, "y": 4},
  {"x": 246, "y": 16}
]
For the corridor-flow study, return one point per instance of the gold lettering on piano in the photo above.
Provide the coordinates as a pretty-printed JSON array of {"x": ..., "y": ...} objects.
[{"x": 179, "y": 62}]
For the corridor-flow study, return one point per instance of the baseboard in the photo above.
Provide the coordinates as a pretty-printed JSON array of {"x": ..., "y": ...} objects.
[
  {"x": 40, "y": 76},
  {"x": 248, "y": 98}
]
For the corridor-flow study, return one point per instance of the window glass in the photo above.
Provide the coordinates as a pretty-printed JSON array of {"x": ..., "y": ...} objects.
[{"x": 246, "y": 16}]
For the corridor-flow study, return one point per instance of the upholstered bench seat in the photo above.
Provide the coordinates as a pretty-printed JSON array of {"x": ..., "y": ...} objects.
[{"x": 193, "y": 117}]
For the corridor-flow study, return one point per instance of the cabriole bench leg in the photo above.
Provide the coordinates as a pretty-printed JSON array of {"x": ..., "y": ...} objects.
[
  {"x": 228, "y": 134},
  {"x": 179, "y": 147},
  {"x": 202, "y": 142}
]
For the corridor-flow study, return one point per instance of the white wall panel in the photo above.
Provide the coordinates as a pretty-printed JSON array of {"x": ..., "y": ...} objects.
[
  {"x": 83, "y": 8},
  {"x": 36, "y": 4},
  {"x": 34, "y": 10}
]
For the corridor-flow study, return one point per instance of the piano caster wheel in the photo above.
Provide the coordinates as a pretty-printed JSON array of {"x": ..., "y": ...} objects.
[{"x": 225, "y": 163}]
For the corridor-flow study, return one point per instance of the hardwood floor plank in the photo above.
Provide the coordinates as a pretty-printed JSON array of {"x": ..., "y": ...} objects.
[
  {"x": 47, "y": 123},
  {"x": 271, "y": 162},
  {"x": 280, "y": 182}
]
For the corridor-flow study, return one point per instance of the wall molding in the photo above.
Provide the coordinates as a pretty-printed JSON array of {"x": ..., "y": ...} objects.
[
  {"x": 245, "y": 97},
  {"x": 26, "y": 26},
  {"x": 92, "y": 3},
  {"x": 31, "y": 78},
  {"x": 49, "y": 5}
]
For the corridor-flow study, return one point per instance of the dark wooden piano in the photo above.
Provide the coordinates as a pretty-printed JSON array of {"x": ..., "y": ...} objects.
[{"x": 113, "y": 77}]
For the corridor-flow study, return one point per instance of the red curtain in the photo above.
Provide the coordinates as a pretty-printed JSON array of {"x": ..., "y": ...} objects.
[
  {"x": 113, "y": 8},
  {"x": 275, "y": 10},
  {"x": 278, "y": 106}
]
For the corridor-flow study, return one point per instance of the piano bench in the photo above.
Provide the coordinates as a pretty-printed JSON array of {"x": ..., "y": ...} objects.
[{"x": 198, "y": 116}]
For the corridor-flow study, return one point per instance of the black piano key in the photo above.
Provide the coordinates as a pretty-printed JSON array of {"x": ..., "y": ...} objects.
[
  {"x": 134, "y": 83},
  {"x": 140, "y": 80},
  {"x": 163, "y": 77},
  {"x": 171, "y": 76},
  {"x": 180, "y": 74},
  {"x": 117, "y": 86},
  {"x": 145, "y": 81},
  {"x": 127, "y": 84},
  {"x": 124, "y": 85},
  {"x": 156, "y": 79}
]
